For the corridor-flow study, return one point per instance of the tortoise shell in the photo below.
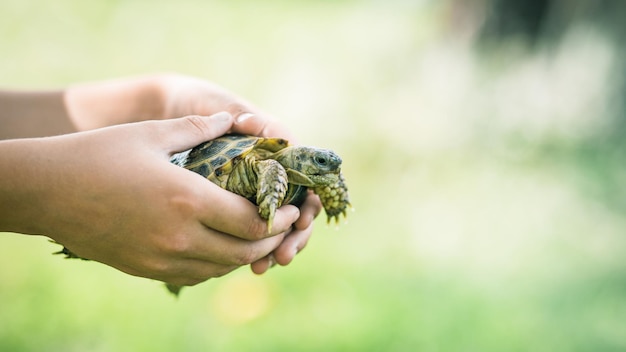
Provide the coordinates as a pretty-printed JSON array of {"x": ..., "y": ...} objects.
[{"x": 217, "y": 158}]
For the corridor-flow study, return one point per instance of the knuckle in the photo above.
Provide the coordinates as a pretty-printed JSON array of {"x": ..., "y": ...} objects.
[
  {"x": 236, "y": 108},
  {"x": 256, "y": 229},
  {"x": 172, "y": 244},
  {"x": 178, "y": 244},
  {"x": 245, "y": 257},
  {"x": 198, "y": 125},
  {"x": 180, "y": 205},
  {"x": 187, "y": 203},
  {"x": 158, "y": 268}
]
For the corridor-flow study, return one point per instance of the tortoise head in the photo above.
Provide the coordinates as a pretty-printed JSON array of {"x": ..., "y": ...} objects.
[{"x": 309, "y": 166}]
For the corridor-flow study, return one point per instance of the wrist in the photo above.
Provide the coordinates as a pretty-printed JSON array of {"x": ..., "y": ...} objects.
[
  {"x": 113, "y": 102},
  {"x": 24, "y": 194}
]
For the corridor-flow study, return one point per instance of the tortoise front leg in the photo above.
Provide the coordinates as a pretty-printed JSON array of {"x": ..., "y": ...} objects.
[
  {"x": 334, "y": 198},
  {"x": 271, "y": 190}
]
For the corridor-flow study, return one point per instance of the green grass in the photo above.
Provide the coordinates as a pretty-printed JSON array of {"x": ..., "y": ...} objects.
[{"x": 487, "y": 216}]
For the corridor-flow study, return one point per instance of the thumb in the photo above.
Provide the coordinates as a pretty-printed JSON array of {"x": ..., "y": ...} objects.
[{"x": 187, "y": 132}]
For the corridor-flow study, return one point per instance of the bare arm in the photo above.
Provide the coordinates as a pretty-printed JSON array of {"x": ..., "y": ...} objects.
[
  {"x": 33, "y": 114},
  {"x": 114, "y": 102},
  {"x": 80, "y": 107}
]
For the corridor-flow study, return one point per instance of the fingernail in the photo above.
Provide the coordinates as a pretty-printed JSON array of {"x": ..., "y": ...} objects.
[
  {"x": 272, "y": 260},
  {"x": 243, "y": 117}
]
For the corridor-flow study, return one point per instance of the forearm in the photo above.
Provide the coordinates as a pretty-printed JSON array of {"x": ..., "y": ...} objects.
[
  {"x": 23, "y": 173},
  {"x": 80, "y": 107},
  {"x": 33, "y": 114}
]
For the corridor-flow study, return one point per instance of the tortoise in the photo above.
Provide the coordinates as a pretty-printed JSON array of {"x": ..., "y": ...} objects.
[{"x": 270, "y": 172}]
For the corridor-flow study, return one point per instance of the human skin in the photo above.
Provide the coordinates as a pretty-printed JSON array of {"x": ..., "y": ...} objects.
[{"x": 110, "y": 194}]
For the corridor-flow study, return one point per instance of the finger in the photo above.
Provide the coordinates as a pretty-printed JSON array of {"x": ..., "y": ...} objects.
[
  {"x": 309, "y": 210},
  {"x": 215, "y": 247},
  {"x": 263, "y": 265},
  {"x": 234, "y": 215},
  {"x": 183, "y": 133},
  {"x": 293, "y": 243},
  {"x": 248, "y": 118},
  {"x": 250, "y": 121}
]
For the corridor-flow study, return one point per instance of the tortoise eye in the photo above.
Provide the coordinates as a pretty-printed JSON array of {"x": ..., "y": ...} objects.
[{"x": 321, "y": 160}]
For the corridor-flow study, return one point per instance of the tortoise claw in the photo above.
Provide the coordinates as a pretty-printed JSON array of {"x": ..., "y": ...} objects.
[
  {"x": 269, "y": 225},
  {"x": 336, "y": 213}
]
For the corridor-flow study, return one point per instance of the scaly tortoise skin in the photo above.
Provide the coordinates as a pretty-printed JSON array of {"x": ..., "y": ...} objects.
[{"x": 270, "y": 172}]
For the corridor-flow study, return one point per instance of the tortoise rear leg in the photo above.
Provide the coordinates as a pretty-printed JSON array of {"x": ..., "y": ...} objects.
[{"x": 271, "y": 189}]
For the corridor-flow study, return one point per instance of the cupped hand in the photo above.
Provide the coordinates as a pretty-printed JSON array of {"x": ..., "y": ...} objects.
[
  {"x": 111, "y": 195},
  {"x": 167, "y": 96}
]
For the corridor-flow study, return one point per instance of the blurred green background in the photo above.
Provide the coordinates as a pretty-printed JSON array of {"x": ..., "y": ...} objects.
[{"x": 482, "y": 144}]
